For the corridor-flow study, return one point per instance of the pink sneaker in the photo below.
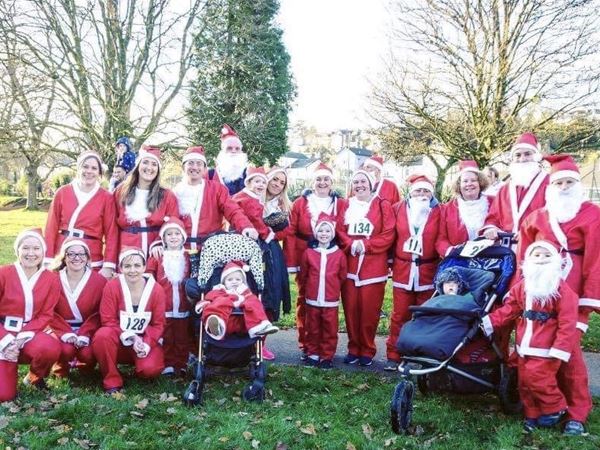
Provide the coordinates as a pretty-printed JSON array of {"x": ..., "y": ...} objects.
[{"x": 268, "y": 355}]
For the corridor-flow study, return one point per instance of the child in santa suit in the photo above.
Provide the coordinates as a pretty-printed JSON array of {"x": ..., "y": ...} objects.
[
  {"x": 28, "y": 295},
  {"x": 323, "y": 270},
  {"x": 76, "y": 317},
  {"x": 545, "y": 309},
  {"x": 366, "y": 232},
  {"x": 233, "y": 292},
  {"x": 170, "y": 271},
  {"x": 132, "y": 312}
]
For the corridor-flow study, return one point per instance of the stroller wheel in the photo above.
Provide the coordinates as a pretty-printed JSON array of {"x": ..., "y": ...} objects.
[
  {"x": 509, "y": 393},
  {"x": 401, "y": 407},
  {"x": 192, "y": 396},
  {"x": 423, "y": 384},
  {"x": 254, "y": 392},
  {"x": 258, "y": 371}
]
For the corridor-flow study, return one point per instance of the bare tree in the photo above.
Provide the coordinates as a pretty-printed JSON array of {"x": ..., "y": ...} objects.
[
  {"x": 461, "y": 74},
  {"x": 118, "y": 66}
]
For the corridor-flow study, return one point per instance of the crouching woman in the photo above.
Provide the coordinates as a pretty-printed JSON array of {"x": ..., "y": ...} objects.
[{"x": 132, "y": 313}]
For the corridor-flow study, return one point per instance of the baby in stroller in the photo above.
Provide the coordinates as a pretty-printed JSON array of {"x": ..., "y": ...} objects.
[
  {"x": 233, "y": 292},
  {"x": 450, "y": 282}
]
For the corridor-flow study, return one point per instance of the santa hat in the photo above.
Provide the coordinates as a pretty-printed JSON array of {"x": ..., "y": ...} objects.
[
  {"x": 148, "y": 151},
  {"x": 544, "y": 244},
  {"x": 29, "y": 232},
  {"x": 125, "y": 141},
  {"x": 227, "y": 134},
  {"x": 419, "y": 182},
  {"x": 233, "y": 266},
  {"x": 195, "y": 153},
  {"x": 375, "y": 161},
  {"x": 527, "y": 141},
  {"x": 255, "y": 172},
  {"x": 172, "y": 222},
  {"x": 366, "y": 174},
  {"x": 562, "y": 166},
  {"x": 325, "y": 219},
  {"x": 72, "y": 242},
  {"x": 131, "y": 251},
  {"x": 323, "y": 171},
  {"x": 468, "y": 165},
  {"x": 90, "y": 154},
  {"x": 275, "y": 170}
]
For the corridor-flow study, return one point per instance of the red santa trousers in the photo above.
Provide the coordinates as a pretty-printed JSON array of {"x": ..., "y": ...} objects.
[
  {"x": 301, "y": 314},
  {"x": 573, "y": 382},
  {"x": 321, "y": 331},
  {"x": 362, "y": 308},
  {"x": 254, "y": 313},
  {"x": 82, "y": 358},
  {"x": 538, "y": 386},
  {"x": 177, "y": 342},
  {"x": 400, "y": 315},
  {"x": 40, "y": 353},
  {"x": 109, "y": 351}
]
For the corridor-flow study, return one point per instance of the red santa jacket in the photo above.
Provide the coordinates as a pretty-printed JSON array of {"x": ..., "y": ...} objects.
[
  {"x": 303, "y": 217},
  {"x": 116, "y": 299},
  {"x": 579, "y": 242},
  {"x": 77, "y": 312},
  {"x": 176, "y": 304},
  {"x": 411, "y": 271},
  {"x": 513, "y": 203},
  {"x": 27, "y": 303},
  {"x": 207, "y": 215},
  {"x": 554, "y": 338},
  {"x": 142, "y": 233},
  {"x": 370, "y": 267},
  {"x": 322, "y": 271},
  {"x": 92, "y": 219},
  {"x": 253, "y": 209},
  {"x": 453, "y": 231}
]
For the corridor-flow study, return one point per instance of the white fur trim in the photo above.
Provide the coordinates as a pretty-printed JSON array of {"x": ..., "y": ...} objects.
[
  {"x": 358, "y": 282},
  {"x": 322, "y": 173},
  {"x": 560, "y": 354},
  {"x": 26, "y": 335},
  {"x": 524, "y": 147},
  {"x": 565, "y": 174},
  {"x": 193, "y": 157},
  {"x": 589, "y": 302},
  {"x": 5, "y": 341},
  {"x": 373, "y": 163},
  {"x": 582, "y": 326},
  {"x": 25, "y": 234},
  {"x": 488, "y": 328},
  {"x": 144, "y": 154},
  {"x": 421, "y": 185}
]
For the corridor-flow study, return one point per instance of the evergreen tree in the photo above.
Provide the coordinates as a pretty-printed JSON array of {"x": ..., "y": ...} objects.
[{"x": 243, "y": 79}]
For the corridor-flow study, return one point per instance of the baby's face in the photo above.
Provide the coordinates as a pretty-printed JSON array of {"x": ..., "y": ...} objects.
[
  {"x": 233, "y": 280},
  {"x": 450, "y": 288}
]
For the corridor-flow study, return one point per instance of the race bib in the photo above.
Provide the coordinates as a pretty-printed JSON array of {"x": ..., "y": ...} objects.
[
  {"x": 414, "y": 244},
  {"x": 362, "y": 227},
  {"x": 473, "y": 248},
  {"x": 135, "y": 322}
]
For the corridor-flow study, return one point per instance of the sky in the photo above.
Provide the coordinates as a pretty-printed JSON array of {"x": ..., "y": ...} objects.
[{"x": 335, "y": 47}]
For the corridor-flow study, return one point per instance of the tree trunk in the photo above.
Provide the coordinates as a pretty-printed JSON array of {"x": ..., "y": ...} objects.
[{"x": 32, "y": 184}]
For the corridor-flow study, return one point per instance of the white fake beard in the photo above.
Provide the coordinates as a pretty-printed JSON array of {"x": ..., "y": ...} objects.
[
  {"x": 473, "y": 214},
  {"x": 187, "y": 197},
  {"x": 356, "y": 210},
  {"x": 522, "y": 174},
  {"x": 231, "y": 166},
  {"x": 174, "y": 265},
  {"x": 542, "y": 281},
  {"x": 418, "y": 211},
  {"x": 564, "y": 205}
]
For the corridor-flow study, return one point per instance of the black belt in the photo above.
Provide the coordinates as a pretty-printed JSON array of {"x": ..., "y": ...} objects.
[
  {"x": 77, "y": 234},
  {"x": 538, "y": 315},
  {"x": 578, "y": 252},
  {"x": 137, "y": 230},
  {"x": 305, "y": 237},
  {"x": 419, "y": 261},
  {"x": 196, "y": 240}
]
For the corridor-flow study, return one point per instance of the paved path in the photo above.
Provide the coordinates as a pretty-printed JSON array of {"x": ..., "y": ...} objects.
[{"x": 284, "y": 345}]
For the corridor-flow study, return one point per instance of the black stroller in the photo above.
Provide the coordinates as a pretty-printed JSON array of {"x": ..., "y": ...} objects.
[
  {"x": 235, "y": 350},
  {"x": 431, "y": 343}
]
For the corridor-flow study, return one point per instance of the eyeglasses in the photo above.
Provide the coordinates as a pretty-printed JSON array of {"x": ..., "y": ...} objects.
[{"x": 73, "y": 256}]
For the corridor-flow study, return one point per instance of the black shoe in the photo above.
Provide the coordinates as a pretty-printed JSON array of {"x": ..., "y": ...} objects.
[
  {"x": 325, "y": 364},
  {"x": 365, "y": 361},
  {"x": 303, "y": 356},
  {"x": 310, "y": 362},
  {"x": 529, "y": 425},
  {"x": 391, "y": 366},
  {"x": 350, "y": 359}
]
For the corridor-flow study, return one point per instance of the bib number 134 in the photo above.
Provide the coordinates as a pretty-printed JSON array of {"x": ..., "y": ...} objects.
[{"x": 361, "y": 228}]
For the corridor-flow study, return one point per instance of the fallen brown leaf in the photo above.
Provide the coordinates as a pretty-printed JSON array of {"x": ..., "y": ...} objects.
[
  {"x": 142, "y": 403},
  {"x": 281, "y": 446},
  {"x": 350, "y": 446},
  {"x": 367, "y": 430},
  {"x": 247, "y": 435},
  {"x": 309, "y": 429},
  {"x": 136, "y": 414}
]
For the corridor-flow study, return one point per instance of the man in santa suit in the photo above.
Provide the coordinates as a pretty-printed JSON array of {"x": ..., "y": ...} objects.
[
  {"x": 545, "y": 308},
  {"x": 366, "y": 232},
  {"x": 523, "y": 194},
  {"x": 203, "y": 204},
  {"x": 28, "y": 295},
  {"x": 415, "y": 256},
  {"x": 571, "y": 224},
  {"x": 231, "y": 162},
  {"x": 463, "y": 216},
  {"x": 384, "y": 188}
]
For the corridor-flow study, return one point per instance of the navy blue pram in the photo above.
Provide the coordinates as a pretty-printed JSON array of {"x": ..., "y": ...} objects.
[{"x": 441, "y": 327}]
